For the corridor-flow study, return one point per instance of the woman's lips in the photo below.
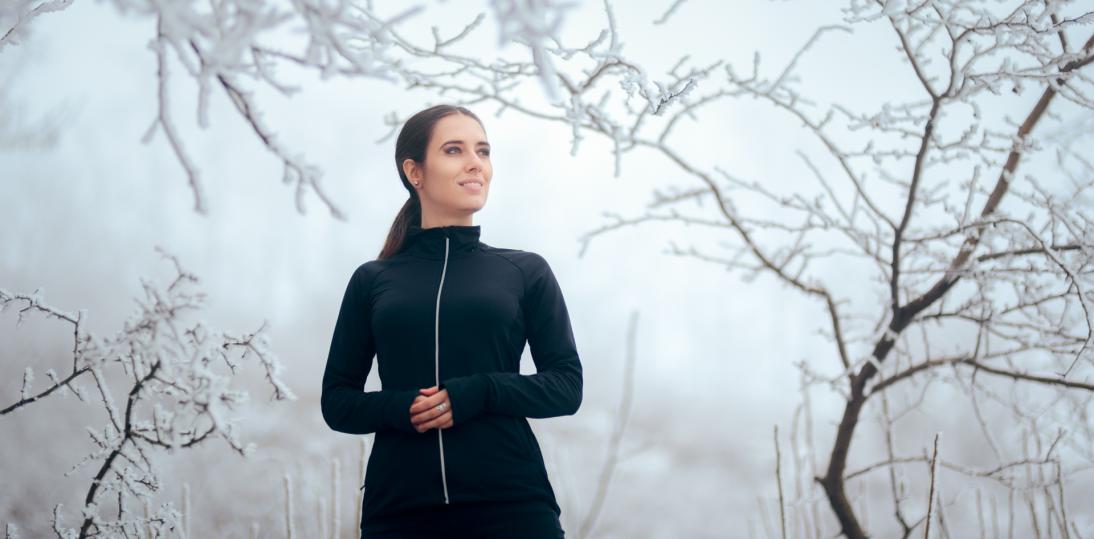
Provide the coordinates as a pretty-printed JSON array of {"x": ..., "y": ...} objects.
[{"x": 474, "y": 187}]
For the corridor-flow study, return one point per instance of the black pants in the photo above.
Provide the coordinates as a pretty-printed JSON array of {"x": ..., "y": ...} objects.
[{"x": 524, "y": 519}]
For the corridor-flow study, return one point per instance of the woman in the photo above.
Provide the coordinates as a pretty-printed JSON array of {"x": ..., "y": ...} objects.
[{"x": 447, "y": 317}]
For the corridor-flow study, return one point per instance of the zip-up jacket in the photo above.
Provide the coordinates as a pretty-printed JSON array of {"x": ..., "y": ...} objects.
[{"x": 450, "y": 311}]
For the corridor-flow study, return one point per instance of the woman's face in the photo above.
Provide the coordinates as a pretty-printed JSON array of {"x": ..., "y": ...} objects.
[{"x": 455, "y": 179}]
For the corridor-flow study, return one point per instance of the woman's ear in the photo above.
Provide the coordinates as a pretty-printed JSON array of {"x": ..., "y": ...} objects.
[{"x": 410, "y": 168}]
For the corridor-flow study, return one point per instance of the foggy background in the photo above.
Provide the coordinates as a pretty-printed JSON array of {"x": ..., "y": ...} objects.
[{"x": 715, "y": 353}]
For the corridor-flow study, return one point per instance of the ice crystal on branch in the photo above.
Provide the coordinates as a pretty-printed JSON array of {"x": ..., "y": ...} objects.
[{"x": 178, "y": 379}]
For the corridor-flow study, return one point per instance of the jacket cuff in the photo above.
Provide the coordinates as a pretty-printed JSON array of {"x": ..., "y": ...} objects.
[
  {"x": 397, "y": 411},
  {"x": 468, "y": 395}
]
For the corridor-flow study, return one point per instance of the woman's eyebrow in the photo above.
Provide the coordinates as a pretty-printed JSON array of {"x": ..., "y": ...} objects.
[{"x": 480, "y": 143}]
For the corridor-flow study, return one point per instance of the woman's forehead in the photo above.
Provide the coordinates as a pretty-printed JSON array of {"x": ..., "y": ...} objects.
[{"x": 460, "y": 128}]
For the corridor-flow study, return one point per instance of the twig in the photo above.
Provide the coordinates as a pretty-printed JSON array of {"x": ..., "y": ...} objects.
[
  {"x": 931, "y": 497},
  {"x": 779, "y": 482}
]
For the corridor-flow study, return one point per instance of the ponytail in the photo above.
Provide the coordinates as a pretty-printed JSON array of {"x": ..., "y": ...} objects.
[{"x": 409, "y": 214}]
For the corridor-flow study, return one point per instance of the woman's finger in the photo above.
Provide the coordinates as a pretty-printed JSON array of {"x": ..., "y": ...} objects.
[
  {"x": 424, "y": 403},
  {"x": 428, "y": 402},
  {"x": 430, "y": 413},
  {"x": 433, "y": 416},
  {"x": 427, "y": 424},
  {"x": 425, "y": 415},
  {"x": 444, "y": 418}
]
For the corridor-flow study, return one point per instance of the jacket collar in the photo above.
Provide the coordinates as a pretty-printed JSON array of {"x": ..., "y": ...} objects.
[{"x": 429, "y": 242}]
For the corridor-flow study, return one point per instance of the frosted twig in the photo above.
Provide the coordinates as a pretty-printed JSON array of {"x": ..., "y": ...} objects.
[
  {"x": 160, "y": 362},
  {"x": 931, "y": 497},
  {"x": 290, "y": 532},
  {"x": 187, "y": 509},
  {"x": 23, "y": 15},
  {"x": 165, "y": 121},
  {"x": 335, "y": 491},
  {"x": 779, "y": 483}
]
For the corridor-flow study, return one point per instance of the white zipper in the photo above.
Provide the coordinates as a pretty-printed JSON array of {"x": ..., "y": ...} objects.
[{"x": 437, "y": 360}]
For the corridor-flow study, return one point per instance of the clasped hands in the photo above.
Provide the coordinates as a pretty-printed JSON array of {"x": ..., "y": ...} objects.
[{"x": 427, "y": 413}]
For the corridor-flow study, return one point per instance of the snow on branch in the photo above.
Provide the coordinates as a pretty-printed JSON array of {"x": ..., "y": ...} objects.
[
  {"x": 992, "y": 252},
  {"x": 14, "y": 16},
  {"x": 227, "y": 45},
  {"x": 177, "y": 379}
]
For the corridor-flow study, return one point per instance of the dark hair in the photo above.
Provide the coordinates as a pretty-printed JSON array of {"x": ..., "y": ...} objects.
[{"x": 412, "y": 143}]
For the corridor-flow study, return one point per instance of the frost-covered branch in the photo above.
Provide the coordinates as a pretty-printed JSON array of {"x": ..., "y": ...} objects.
[
  {"x": 950, "y": 228},
  {"x": 175, "y": 395},
  {"x": 15, "y": 15},
  {"x": 924, "y": 268}
]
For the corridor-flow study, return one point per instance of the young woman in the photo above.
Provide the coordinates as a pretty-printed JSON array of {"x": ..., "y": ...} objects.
[{"x": 447, "y": 317}]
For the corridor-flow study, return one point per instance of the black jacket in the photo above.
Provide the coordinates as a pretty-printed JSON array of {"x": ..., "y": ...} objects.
[{"x": 451, "y": 311}]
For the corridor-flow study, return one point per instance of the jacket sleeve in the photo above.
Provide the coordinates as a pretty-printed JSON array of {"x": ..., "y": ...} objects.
[
  {"x": 555, "y": 389},
  {"x": 346, "y": 406}
]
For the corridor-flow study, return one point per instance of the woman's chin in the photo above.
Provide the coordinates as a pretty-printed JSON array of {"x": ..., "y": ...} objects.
[{"x": 476, "y": 202}]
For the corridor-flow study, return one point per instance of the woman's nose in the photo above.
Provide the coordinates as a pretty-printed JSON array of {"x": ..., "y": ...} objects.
[{"x": 476, "y": 162}]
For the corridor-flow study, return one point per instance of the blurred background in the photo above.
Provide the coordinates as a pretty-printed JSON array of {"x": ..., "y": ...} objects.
[{"x": 84, "y": 202}]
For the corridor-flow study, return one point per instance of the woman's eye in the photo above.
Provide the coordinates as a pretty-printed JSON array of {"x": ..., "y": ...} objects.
[{"x": 457, "y": 148}]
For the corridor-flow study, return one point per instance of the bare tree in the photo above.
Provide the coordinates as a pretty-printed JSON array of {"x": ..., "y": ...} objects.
[
  {"x": 221, "y": 43},
  {"x": 177, "y": 396},
  {"x": 952, "y": 256}
]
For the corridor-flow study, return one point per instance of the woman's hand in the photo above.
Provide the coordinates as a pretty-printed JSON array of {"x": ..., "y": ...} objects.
[{"x": 424, "y": 412}]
